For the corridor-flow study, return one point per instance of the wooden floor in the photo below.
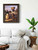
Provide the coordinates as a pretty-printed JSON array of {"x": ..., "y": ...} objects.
[
  {"x": 29, "y": 48},
  {"x": 15, "y": 49}
]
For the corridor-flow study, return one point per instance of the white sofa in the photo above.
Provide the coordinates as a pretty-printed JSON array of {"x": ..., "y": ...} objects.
[{"x": 10, "y": 36}]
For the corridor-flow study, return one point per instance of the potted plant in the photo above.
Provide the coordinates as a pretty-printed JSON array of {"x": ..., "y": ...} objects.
[{"x": 33, "y": 24}]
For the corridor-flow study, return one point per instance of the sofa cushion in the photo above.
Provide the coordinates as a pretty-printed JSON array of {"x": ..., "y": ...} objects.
[
  {"x": 15, "y": 39},
  {"x": 2, "y": 44},
  {"x": 15, "y": 32},
  {"x": 4, "y": 40},
  {"x": 6, "y": 32}
]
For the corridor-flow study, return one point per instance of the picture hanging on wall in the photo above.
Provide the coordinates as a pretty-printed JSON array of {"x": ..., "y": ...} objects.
[{"x": 11, "y": 13}]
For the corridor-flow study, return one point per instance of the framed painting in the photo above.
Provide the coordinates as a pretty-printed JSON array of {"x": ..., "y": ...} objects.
[{"x": 11, "y": 13}]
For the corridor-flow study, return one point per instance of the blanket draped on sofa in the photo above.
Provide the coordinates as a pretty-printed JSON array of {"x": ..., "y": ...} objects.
[{"x": 21, "y": 45}]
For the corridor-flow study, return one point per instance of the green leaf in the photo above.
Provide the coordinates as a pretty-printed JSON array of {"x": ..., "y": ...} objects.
[
  {"x": 30, "y": 27},
  {"x": 34, "y": 28},
  {"x": 36, "y": 23},
  {"x": 29, "y": 21},
  {"x": 33, "y": 21}
]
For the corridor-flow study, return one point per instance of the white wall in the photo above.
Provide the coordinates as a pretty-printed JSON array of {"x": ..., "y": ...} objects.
[{"x": 28, "y": 9}]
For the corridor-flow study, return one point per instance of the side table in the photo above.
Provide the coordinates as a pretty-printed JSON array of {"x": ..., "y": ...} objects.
[
  {"x": 4, "y": 47},
  {"x": 33, "y": 40}
]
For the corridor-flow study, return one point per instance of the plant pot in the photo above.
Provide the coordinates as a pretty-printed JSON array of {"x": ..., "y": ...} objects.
[{"x": 32, "y": 33}]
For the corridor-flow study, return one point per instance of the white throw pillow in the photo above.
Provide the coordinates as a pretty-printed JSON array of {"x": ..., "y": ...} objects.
[
  {"x": 17, "y": 32},
  {"x": 21, "y": 32},
  {"x": 4, "y": 40},
  {"x": 6, "y": 32},
  {"x": 14, "y": 32}
]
